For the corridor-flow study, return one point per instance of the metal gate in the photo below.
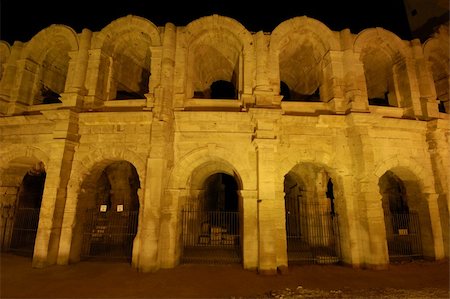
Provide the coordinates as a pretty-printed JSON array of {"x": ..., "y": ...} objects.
[
  {"x": 312, "y": 235},
  {"x": 403, "y": 236},
  {"x": 210, "y": 237},
  {"x": 19, "y": 229},
  {"x": 109, "y": 235}
]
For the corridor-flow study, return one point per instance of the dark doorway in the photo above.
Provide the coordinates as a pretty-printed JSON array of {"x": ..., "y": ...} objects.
[
  {"x": 312, "y": 229},
  {"x": 111, "y": 226},
  {"x": 402, "y": 224},
  {"x": 222, "y": 89},
  {"x": 26, "y": 216},
  {"x": 211, "y": 233}
]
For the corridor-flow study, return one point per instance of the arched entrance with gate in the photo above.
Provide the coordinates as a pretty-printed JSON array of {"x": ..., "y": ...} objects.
[
  {"x": 21, "y": 205},
  {"x": 312, "y": 228},
  {"x": 211, "y": 217},
  {"x": 107, "y": 213},
  {"x": 404, "y": 218}
]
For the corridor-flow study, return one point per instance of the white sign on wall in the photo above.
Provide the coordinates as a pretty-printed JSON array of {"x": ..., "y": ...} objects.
[
  {"x": 103, "y": 208},
  {"x": 119, "y": 208}
]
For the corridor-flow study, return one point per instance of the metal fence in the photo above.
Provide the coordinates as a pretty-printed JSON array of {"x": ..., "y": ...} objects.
[
  {"x": 109, "y": 235},
  {"x": 210, "y": 237},
  {"x": 403, "y": 236},
  {"x": 19, "y": 229},
  {"x": 312, "y": 235}
]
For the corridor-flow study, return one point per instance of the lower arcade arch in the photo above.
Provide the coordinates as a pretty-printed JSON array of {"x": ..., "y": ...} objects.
[
  {"x": 312, "y": 227},
  {"x": 107, "y": 213},
  {"x": 212, "y": 219},
  {"x": 407, "y": 222},
  {"x": 20, "y": 206}
]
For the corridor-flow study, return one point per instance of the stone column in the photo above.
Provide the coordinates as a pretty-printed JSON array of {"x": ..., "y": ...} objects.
[
  {"x": 440, "y": 163},
  {"x": 249, "y": 228},
  {"x": 331, "y": 89},
  {"x": 25, "y": 86},
  {"x": 266, "y": 207},
  {"x": 170, "y": 232},
  {"x": 150, "y": 222},
  {"x": 55, "y": 189},
  {"x": 353, "y": 76},
  {"x": 98, "y": 73},
  {"x": 433, "y": 243},
  {"x": 75, "y": 88},
  {"x": 8, "y": 79},
  {"x": 372, "y": 233}
]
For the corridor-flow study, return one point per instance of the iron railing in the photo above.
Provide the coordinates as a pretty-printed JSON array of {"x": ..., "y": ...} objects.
[
  {"x": 403, "y": 236},
  {"x": 210, "y": 237},
  {"x": 312, "y": 235},
  {"x": 19, "y": 229},
  {"x": 109, "y": 235}
]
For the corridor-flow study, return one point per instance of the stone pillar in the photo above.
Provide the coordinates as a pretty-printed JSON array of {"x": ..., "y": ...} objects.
[
  {"x": 440, "y": 163},
  {"x": 331, "y": 88},
  {"x": 8, "y": 79},
  {"x": 169, "y": 243},
  {"x": 150, "y": 223},
  {"x": 23, "y": 91},
  {"x": 98, "y": 73},
  {"x": 75, "y": 88},
  {"x": 353, "y": 76},
  {"x": 280, "y": 227},
  {"x": 55, "y": 190},
  {"x": 372, "y": 231},
  {"x": 266, "y": 207},
  {"x": 349, "y": 227},
  {"x": 249, "y": 228},
  {"x": 433, "y": 243}
]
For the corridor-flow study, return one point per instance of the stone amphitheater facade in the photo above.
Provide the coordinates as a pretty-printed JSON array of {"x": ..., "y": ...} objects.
[{"x": 74, "y": 103}]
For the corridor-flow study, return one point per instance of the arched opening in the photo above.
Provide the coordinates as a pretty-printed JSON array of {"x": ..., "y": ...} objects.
[
  {"x": 19, "y": 227},
  {"x": 53, "y": 73},
  {"x": 402, "y": 223},
  {"x": 211, "y": 222},
  {"x": 378, "y": 70},
  {"x": 222, "y": 89},
  {"x": 312, "y": 229},
  {"x": 108, "y": 209}
]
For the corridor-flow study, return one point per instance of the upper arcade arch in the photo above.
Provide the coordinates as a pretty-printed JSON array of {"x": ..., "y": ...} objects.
[
  {"x": 127, "y": 46},
  {"x": 45, "y": 59},
  {"x": 204, "y": 162},
  {"x": 384, "y": 56},
  {"x": 436, "y": 51},
  {"x": 217, "y": 49},
  {"x": 299, "y": 49}
]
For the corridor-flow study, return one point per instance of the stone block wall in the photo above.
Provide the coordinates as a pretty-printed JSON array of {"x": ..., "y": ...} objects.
[{"x": 175, "y": 140}]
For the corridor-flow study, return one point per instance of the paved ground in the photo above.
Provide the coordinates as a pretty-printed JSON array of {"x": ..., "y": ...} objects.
[{"x": 419, "y": 279}]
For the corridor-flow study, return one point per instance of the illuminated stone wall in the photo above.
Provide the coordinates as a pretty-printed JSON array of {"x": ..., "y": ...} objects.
[{"x": 357, "y": 106}]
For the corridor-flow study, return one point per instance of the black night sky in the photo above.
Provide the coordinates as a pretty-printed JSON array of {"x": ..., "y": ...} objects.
[{"x": 21, "y": 20}]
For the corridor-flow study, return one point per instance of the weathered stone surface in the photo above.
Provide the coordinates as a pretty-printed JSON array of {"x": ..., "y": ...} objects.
[{"x": 131, "y": 118}]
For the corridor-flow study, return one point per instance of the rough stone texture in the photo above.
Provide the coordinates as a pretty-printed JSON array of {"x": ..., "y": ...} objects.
[{"x": 138, "y": 93}]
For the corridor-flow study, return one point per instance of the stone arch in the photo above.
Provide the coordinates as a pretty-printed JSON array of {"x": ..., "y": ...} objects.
[
  {"x": 418, "y": 186},
  {"x": 407, "y": 169},
  {"x": 299, "y": 49},
  {"x": 102, "y": 157},
  {"x": 22, "y": 179},
  {"x": 127, "y": 47},
  {"x": 228, "y": 46},
  {"x": 436, "y": 51},
  {"x": 180, "y": 175},
  {"x": 312, "y": 214},
  {"x": 384, "y": 56},
  {"x": 46, "y": 56},
  {"x": 123, "y": 26},
  {"x": 90, "y": 189},
  {"x": 5, "y": 51}
]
